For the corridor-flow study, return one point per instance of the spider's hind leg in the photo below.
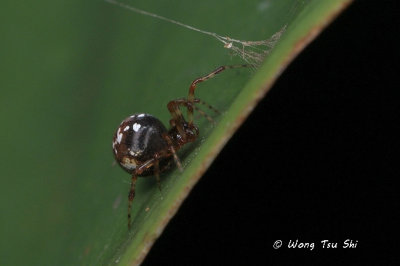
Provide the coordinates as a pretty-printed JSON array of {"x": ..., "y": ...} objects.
[
  {"x": 157, "y": 173},
  {"x": 131, "y": 196},
  {"x": 138, "y": 171}
]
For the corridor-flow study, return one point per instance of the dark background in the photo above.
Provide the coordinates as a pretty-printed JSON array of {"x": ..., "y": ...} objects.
[{"x": 321, "y": 157}]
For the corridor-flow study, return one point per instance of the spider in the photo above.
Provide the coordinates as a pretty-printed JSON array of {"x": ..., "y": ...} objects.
[{"x": 142, "y": 145}]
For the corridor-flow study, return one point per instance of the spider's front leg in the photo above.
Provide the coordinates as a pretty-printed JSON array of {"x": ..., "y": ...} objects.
[
  {"x": 178, "y": 120},
  {"x": 192, "y": 88},
  {"x": 173, "y": 151}
]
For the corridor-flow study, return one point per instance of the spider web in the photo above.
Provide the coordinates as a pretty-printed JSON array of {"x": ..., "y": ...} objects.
[{"x": 252, "y": 52}]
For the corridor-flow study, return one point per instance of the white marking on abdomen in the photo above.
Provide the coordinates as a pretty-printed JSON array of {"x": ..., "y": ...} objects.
[
  {"x": 136, "y": 127},
  {"x": 119, "y": 136},
  {"x": 128, "y": 163}
]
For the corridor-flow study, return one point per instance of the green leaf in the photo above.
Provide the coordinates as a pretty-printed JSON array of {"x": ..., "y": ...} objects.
[{"x": 71, "y": 72}]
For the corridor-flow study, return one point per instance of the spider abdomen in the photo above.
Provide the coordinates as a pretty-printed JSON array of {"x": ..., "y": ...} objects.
[{"x": 139, "y": 138}]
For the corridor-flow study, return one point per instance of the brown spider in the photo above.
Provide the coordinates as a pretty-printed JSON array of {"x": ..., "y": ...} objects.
[{"x": 142, "y": 146}]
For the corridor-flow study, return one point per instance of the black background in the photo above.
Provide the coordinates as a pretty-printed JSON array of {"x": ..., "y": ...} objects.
[{"x": 310, "y": 163}]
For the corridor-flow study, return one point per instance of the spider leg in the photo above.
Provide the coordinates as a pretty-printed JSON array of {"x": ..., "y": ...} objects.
[
  {"x": 209, "y": 106},
  {"x": 173, "y": 151},
  {"x": 131, "y": 196},
  {"x": 209, "y": 118},
  {"x": 201, "y": 79},
  {"x": 155, "y": 162},
  {"x": 157, "y": 173},
  {"x": 177, "y": 117},
  {"x": 204, "y": 114}
]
